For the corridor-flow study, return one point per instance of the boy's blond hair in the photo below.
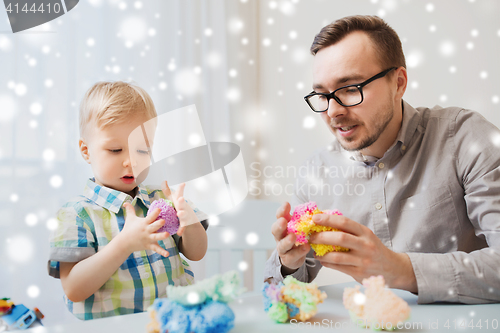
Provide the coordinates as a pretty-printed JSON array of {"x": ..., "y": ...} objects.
[{"x": 107, "y": 103}]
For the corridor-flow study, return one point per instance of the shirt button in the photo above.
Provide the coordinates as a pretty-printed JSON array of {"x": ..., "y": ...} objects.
[
  {"x": 404, "y": 147},
  {"x": 378, "y": 205},
  {"x": 381, "y": 165}
]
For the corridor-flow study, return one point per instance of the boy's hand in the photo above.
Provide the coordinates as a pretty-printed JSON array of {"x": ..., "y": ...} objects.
[
  {"x": 184, "y": 211},
  {"x": 140, "y": 233}
]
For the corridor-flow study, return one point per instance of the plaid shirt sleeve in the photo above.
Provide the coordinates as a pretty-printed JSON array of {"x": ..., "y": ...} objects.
[{"x": 74, "y": 238}]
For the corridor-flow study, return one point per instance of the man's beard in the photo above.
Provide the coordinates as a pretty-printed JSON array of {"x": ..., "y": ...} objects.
[{"x": 368, "y": 141}]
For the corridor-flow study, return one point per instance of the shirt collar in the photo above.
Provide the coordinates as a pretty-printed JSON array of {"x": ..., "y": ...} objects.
[
  {"x": 408, "y": 126},
  {"x": 111, "y": 199}
]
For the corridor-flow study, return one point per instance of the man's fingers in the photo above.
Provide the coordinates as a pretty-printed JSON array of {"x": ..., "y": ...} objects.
[
  {"x": 278, "y": 229},
  {"x": 340, "y": 258},
  {"x": 286, "y": 244},
  {"x": 339, "y": 238},
  {"x": 284, "y": 211},
  {"x": 346, "y": 269},
  {"x": 158, "y": 249},
  {"x": 339, "y": 222}
]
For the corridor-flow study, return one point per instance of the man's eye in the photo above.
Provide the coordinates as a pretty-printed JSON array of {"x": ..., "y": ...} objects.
[{"x": 115, "y": 150}]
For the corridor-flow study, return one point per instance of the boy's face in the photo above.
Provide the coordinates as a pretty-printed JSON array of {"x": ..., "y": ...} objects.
[{"x": 114, "y": 157}]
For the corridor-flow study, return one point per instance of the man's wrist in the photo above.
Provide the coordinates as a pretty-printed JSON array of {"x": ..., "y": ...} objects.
[
  {"x": 287, "y": 271},
  {"x": 406, "y": 280}
]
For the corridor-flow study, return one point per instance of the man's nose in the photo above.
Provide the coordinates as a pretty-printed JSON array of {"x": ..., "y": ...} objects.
[{"x": 335, "y": 109}]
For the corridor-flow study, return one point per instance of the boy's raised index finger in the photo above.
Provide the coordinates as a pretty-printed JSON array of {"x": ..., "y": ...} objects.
[
  {"x": 129, "y": 208},
  {"x": 166, "y": 190},
  {"x": 180, "y": 191},
  {"x": 153, "y": 215}
]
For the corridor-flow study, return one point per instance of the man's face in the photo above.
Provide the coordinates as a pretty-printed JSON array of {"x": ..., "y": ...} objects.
[
  {"x": 115, "y": 158},
  {"x": 350, "y": 61}
]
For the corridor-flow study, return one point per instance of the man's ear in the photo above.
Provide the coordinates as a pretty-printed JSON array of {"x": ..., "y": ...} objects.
[
  {"x": 84, "y": 150},
  {"x": 402, "y": 81}
]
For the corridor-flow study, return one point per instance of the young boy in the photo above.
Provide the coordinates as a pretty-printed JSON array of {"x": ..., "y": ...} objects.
[{"x": 106, "y": 252}]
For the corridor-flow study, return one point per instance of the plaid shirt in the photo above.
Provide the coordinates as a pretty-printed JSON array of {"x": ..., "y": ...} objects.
[{"x": 88, "y": 223}]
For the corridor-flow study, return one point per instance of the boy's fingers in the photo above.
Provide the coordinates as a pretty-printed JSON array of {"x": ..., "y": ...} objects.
[
  {"x": 153, "y": 227},
  {"x": 153, "y": 216},
  {"x": 166, "y": 190},
  {"x": 180, "y": 231},
  {"x": 180, "y": 204},
  {"x": 158, "y": 249},
  {"x": 180, "y": 191},
  {"x": 129, "y": 209},
  {"x": 160, "y": 236},
  {"x": 181, "y": 214}
]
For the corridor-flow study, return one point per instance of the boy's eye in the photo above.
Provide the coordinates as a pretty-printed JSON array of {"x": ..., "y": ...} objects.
[
  {"x": 115, "y": 150},
  {"x": 142, "y": 151}
]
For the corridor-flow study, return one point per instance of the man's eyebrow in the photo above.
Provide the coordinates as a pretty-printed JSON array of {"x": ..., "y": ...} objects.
[
  {"x": 347, "y": 78},
  {"x": 358, "y": 78},
  {"x": 317, "y": 86}
]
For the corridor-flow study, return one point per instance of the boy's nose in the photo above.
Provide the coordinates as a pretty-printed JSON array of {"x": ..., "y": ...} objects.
[{"x": 129, "y": 162}]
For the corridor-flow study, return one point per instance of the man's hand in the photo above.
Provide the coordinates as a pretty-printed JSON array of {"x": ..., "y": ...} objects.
[
  {"x": 367, "y": 256},
  {"x": 292, "y": 257},
  {"x": 140, "y": 233},
  {"x": 185, "y": 213}
]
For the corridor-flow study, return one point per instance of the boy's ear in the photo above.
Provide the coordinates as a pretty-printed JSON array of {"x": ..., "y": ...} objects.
[{"x": 84, "y": 150}]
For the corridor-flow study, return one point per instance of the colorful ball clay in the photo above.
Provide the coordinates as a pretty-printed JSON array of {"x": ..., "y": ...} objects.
[
  {"x": 291, "y": 299},
  {"x": 197, "y": 308},
  {"x": 168, "y": 213},
  {"x": 302, "y": 225},
  {"x": 378, "y": 307}
]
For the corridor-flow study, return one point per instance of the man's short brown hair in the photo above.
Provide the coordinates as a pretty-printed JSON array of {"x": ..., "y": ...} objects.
[{"x": 384, "y": 38}]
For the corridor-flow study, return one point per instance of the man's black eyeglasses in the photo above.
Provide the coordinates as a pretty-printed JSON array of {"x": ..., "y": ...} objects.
[{"x": 350, "y": 95}]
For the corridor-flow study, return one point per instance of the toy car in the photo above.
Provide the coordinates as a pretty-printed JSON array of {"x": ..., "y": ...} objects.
[{"x": 17, "y": 316}]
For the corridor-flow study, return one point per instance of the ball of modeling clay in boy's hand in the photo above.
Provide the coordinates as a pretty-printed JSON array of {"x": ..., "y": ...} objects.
[{"x": 168, "y": 213}]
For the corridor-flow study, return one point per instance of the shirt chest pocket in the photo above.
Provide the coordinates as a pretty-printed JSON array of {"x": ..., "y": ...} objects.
[{"x": 429, "y": 221}]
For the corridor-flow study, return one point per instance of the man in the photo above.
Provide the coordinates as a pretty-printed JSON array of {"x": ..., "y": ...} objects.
[{"x": 419, "y": 188}]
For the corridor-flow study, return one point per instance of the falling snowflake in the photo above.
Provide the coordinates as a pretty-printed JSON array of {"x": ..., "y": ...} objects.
[{"x": 447, "y": 48}]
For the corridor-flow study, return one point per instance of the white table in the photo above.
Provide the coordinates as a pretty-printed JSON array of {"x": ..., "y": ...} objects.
[{"x": 251, "y": 318}]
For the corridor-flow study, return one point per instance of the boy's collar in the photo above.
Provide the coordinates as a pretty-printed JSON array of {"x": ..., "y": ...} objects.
[{"x": 112, "y": 199}]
